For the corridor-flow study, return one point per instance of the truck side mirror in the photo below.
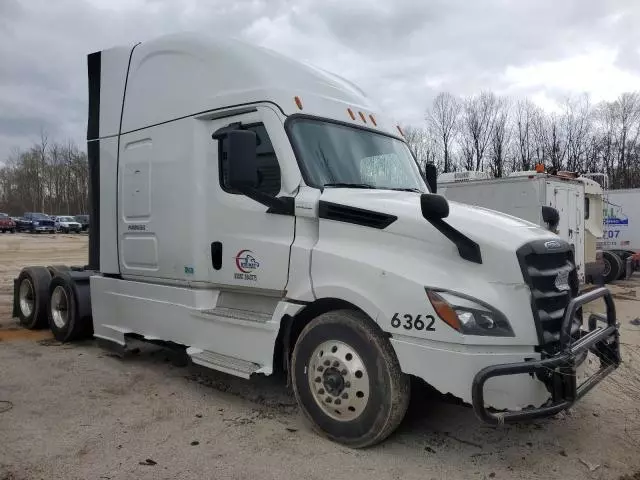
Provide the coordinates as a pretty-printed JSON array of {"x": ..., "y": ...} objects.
[
  {"x": 551, "y": 217},
  {"x": 242, "y": 160},
  {"x": 434, "y": 207},
  {"x": 431, "y": 177}
]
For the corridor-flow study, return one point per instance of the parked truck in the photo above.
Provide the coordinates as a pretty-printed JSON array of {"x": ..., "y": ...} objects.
[
  {"x": 620, "y": 241},
  {"x": 35, "y": 222},
  {"x": 621, "y": 235},
  {"x": 568, "y": 205},
  {"x": 308, "y": 241}
]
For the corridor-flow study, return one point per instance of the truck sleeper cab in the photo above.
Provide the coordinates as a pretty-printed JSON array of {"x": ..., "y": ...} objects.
[{"x": 264, "y": 214}]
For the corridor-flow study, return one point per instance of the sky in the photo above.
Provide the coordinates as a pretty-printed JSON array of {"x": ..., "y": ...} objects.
[{"x": 401, "y": 52}]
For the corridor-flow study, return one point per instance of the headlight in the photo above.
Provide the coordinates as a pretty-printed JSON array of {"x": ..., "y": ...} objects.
[
  {"x": 469, "y": 316},
  {"x": 36, "y": 223}
]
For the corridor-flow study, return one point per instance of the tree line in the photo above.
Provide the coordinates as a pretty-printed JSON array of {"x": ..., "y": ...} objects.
[
  {"x": 483, "y": 132},
  {"x": 48, "y": 177},
  {"x": 498, "y": 135}
]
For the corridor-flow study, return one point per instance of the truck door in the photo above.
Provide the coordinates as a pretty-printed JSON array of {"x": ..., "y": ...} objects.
[
  {"x": 249, "y": 248},
  {"x": 566, "y": 200}
]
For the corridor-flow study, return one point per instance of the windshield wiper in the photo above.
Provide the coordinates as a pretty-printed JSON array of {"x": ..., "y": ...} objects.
[
  {"x": 405, "y": 189},
  {"x": 349, "y": 185}
]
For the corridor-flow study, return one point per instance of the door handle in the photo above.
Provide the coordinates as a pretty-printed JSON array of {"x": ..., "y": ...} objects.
[{"x": 216, "y": 255}]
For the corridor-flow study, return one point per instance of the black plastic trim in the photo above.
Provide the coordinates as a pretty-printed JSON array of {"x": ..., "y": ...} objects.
[
  {"x": 357, "y": 216},
  {"x": 467, "y": 248},
  {"x": 539, "y": 247},
  {"x": 287, "y": 206},
  {"x": 93, "y": 159},
  {"x": 216, "y": 255},
  {"x": 94, "y": 64}
]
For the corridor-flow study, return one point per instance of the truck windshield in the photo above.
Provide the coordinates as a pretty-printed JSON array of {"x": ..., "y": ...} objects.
[{"x": 336, "y": 155}]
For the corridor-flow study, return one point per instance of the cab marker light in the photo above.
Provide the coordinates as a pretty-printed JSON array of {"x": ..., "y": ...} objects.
[
  {"x": 351, "y": 114},
  {"x": 373, "y": 120},
  {"x": 298, "y": 102},
  {"x": 363, "y": 117}
]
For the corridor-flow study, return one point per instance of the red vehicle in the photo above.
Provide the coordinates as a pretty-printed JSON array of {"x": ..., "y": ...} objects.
[{"x": 7, "y": 224}]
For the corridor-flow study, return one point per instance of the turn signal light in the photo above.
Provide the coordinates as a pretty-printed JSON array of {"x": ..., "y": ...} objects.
[{"x": 444, "y": 310}]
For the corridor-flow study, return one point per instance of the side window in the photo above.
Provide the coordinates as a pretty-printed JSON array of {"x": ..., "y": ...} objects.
[
  {"x": 268, "y": 167},
  {"x": 586, "y": 208}
]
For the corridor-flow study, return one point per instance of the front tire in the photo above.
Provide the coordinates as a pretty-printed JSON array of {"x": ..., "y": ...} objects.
[{"x": 347, "y": 379}]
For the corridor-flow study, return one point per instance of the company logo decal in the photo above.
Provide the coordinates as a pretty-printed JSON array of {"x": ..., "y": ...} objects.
[
  {"x": 246, "y": 263},
  {"x": 552, "y": 245},
  {"x": 562, "y": 281}
]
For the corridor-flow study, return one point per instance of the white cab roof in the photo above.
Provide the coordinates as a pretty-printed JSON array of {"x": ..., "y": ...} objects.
[{"x": 181, "y": 75}]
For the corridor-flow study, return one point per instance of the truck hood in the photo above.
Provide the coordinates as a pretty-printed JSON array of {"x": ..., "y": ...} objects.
[{"x": 498, "y": 235}]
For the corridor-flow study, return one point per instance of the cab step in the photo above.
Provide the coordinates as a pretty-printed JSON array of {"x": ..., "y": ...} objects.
[{"x": 222, "y": 363}]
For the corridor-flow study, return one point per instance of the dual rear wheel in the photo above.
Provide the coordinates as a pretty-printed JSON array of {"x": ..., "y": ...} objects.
[{"x": 51, "y": 297}]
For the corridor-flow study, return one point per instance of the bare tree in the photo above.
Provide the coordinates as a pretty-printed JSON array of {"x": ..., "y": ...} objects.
[
  {"x": 577, "y": 127},
  {"x": 525, "y": 115},
  {"x": 48, "y": 177},
  {"x": 422, "y": 144},
  {"x": 500, "y": 138},
  {"x": 443, "y": 119},
  {"x": 478, "y": 122}
]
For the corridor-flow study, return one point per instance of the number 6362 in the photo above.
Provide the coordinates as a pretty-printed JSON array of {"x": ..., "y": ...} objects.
[{"x": 413, "y": 322}]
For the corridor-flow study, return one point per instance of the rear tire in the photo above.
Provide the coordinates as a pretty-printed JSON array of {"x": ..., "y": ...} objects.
[
  {"x": 33, "y": 293},
  {"x": 63, "y": 310},
  {"x": 623, "y": 255},
  {"x": 347, "y": 379},
  {"x": 612, "y": 265}
]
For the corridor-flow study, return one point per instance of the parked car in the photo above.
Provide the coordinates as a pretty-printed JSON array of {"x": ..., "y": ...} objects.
[
  {"x": 35, "y": 222},
  {"x": 67, "y": 224},
  {"x": 84, "y": 221},
  {"x": 7, "y": 224}
]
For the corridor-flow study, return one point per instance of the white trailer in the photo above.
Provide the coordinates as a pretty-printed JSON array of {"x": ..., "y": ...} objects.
[
  {"x": 264, "y": 215},
  {"x": 529, "y": 195},
  {"x": 621, "y": 232}
]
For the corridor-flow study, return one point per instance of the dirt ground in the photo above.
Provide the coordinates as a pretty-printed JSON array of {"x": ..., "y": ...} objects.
[{"x": 76, "y": 411}]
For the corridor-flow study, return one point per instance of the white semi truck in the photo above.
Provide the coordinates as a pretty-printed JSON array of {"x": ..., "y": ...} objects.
[
  {"x": 263, "y": 215},
  {"x": 569, "y": 206}
]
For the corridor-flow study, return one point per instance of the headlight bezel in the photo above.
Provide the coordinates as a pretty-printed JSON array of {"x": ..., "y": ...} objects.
[{"x": 450, "y": 305}]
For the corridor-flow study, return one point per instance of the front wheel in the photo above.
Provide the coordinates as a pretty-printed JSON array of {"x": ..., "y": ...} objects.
[{"x": 347, "y": 379}]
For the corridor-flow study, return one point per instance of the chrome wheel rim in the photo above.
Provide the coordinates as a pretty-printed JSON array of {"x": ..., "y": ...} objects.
[
  {"x": 59, "y": 307},
  {"x": 338, "y": 380},
  {"x": 26, "y": 297},
  {"x": 607, "y": 268}
]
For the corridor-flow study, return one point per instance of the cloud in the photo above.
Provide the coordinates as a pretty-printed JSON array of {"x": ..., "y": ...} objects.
[{"x": 402, "y": 52}]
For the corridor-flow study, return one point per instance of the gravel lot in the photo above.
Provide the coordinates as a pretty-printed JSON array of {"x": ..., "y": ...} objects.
[{"x": 76, "y": 411}]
